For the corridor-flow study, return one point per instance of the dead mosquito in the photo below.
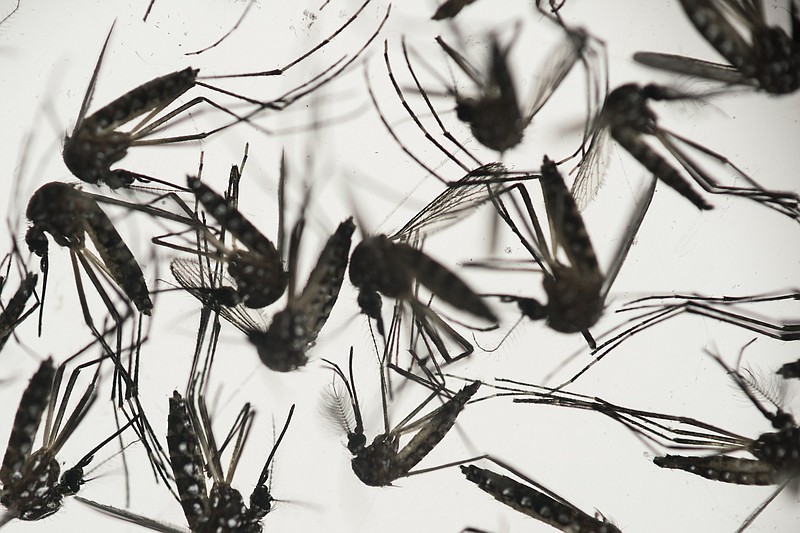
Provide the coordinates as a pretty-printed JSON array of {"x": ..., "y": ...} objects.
[
  {"x": 776, "y": 455},
  {"x": 69, "y": 215},
  {"x": 764, "y": 56},
  {"x": 32, "y": 484},
  {"x": 193, "y": 452},
  {"x": 282, "y": 345},
  {"x": 576, "y": 292},
  {"x": 627, "y": 118},
  {"x": 96, "y": 143},
  {"x": 535, "y": 500},
  {"x": 390, "y": 265},
  {"x": 382, "y": 462},
  {"x": 481, "y": 174},
  {"x": 258, "y": 271},
  {"x": 495, "y": 116}
]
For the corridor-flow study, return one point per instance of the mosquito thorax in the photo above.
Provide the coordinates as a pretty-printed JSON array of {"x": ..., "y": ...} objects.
[
  {"x": 573, "y": 303},
  {"x": 373, "y": 266},
  {"x": 626, "y": 106},
  {"x": 283, "y": 346},
  {"x": 89, "y": 157},
  {"x": 228, "y": 512},
  {"x": 260, "y": 280},
  {"x": 375, "y": 465},
  {"x": 778, "y": 61},
  {"x": 34, "y": 493}
]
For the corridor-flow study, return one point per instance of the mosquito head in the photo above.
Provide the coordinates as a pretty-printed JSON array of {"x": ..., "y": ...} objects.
[
  {"x": 72, "y": 479},
  {"x": 531, "y": 308},
  {"x": 783, "y": 421},
  {"x": 36, "y": 241},
  {"x": 370, "y": 303},
  {"x": 356, "y": 442},
  {"x": 260, "y": 502}
]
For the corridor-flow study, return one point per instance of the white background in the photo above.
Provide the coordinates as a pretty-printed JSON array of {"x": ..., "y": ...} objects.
[{"x": 48, "y": 51}]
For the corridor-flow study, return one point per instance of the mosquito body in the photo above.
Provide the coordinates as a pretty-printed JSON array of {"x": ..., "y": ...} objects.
[
  {"x": 627, "y": 118},
  {"x": 96, "y": 142},
  {"x": 258, "y": 271},
  {"x": 536, "y": 502},
  {"x": 68, "y": 216},
  {"x": 576, "y": 291},
  {"x": 193, "y": 452},
  {"x": 496, "y": 117},
  {"x": 767, "y": 58},
  {"x": 382, "y": 462},
  {"x": 32, "y": 484},
  {"x": 391, "y": 265},
  {"x": 283, "y": 346}
]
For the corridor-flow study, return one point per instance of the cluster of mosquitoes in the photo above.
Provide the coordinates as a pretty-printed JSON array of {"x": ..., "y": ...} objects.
[{"x": 239, "y": 276}]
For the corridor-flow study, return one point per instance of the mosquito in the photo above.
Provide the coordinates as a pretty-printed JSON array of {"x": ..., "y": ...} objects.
[
  {"x": 713, "y": 307},
  {"x": 776, "y": 454},
  {"x": 258, "y": 271},
  {"x": 382, "y": 462},
  {"x": 535, "y": 500},
  {"x": 627, "y": 118},
  {"x": 483, "y": 173},
  {"x": 764, "y": 57},
  {"x": 282, "y": 345},
  {"x": 576, "y": 293},
  {"x": 96, "y": 143},
  {"x": 390, "y": 265},
  {"x": 194, "y": 451},
  {"x": 69, "y": 215},
  {"x": 32, "y": 484},
  {"x": 495, "y": 116}
]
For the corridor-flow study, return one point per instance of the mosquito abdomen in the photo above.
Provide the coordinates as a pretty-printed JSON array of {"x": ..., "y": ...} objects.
[
  {"x": 534, "y": 503},
  {"x": 711, "y": 23},
  {"x": 140, "y": 100},
  {"x": 187, "y": 462},
  {"x": 26, "y": 422},
  {"x": 737, "y": 470},
  {"x": 118, "y": 258},
  {"x": 631, "y": 140},
  {"x": 443, "y": 283},
  {"x": 434, "y": 430}
]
